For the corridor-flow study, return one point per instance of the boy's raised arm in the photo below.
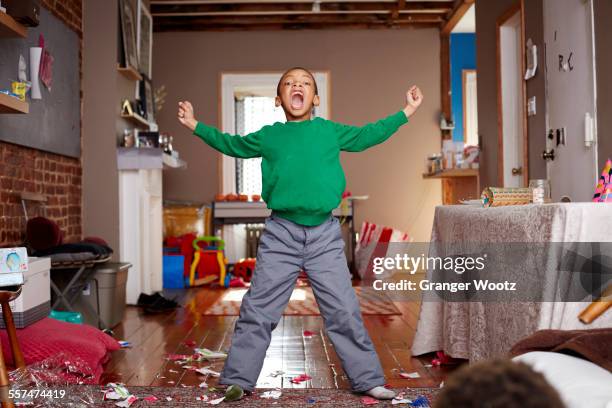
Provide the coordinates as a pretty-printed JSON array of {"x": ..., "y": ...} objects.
[
  {"x": 357, "y": 139},
  {"x": 244, "y": 147}
]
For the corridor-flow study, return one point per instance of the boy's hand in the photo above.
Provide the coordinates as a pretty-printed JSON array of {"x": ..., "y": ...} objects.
[
  {"x": 414, "y": 98},
  {"x": 185, "y": 115}
]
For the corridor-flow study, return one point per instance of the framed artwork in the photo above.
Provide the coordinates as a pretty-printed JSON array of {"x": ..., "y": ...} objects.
[
  {"x": 147, "y": 139},
  {"x": 144, "y": 38},
  {"x": 128, "y": 30},
  {"x": 147, "y": 98}
]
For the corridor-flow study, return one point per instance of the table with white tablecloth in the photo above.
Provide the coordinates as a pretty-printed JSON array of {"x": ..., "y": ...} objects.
[{"x": 481, "y": 330}]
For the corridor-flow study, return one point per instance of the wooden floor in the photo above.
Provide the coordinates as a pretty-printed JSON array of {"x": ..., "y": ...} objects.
[{"x": 155, "y": 336}]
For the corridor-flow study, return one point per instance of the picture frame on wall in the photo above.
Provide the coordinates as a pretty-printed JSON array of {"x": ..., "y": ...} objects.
[
  {"x": 147, "y": 98},
  {"x": 128, "y": 33},
  {"x": 144, "y": 38}
]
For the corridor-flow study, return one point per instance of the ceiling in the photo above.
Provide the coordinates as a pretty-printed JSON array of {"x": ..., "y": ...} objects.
[
  {"x": 222, "y": 15},
  {"x": 467, "y": 24}
]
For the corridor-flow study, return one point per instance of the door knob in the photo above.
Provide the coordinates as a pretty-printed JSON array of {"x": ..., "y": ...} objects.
[
  {"x": 516, "y": 171},
  {"x": 548, "y": 154}
]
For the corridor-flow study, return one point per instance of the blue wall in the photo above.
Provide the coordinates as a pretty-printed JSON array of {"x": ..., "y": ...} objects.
[{"x": 462, "y": 56}]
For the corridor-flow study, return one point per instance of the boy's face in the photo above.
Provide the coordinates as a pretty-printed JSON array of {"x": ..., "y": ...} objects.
[{"x": 297, "y": 95}]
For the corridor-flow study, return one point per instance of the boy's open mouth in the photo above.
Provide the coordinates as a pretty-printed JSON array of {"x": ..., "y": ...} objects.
[{"x": 297, "y": 100}]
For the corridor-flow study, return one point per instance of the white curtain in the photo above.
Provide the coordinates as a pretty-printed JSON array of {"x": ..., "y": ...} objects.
[{"x": 470, "y": 108}]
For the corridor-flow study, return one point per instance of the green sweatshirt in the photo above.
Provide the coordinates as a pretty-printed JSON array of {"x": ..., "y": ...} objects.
[{"x": 302, "y": 177}]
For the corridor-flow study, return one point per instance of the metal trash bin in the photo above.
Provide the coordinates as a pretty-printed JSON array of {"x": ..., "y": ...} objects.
[{"x": 105, "y": 294}]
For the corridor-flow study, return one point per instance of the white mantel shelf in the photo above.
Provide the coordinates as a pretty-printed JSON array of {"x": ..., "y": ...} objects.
[{"x": 131, "y": 158}]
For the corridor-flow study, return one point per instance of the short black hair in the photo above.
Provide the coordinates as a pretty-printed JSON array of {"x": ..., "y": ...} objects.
[
  {"x": 497, "y": 384},
  {"x": 316, "y": 89}
]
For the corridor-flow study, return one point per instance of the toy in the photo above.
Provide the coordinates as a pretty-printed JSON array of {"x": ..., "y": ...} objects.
[
  {"x": 244, "y": 269},
  {"x": 603, "y": 190},
  {"x": 209, "y": 262}
]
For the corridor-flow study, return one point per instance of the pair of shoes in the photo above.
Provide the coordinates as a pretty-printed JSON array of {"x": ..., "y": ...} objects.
[
  {"x": 234, "y": 393},
  {"x": 381, "y": 393},
  {"x": 156, "y": 303}
]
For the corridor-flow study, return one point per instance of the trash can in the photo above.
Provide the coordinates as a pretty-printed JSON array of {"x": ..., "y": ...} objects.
[{"x": 108, "y": 288}]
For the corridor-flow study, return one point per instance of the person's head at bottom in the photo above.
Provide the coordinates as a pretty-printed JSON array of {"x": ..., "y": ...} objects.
[{"x": 497, "y": 384}]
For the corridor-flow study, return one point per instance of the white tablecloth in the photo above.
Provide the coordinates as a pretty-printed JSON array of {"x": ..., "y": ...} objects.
[{"x": 477, "y": 331}]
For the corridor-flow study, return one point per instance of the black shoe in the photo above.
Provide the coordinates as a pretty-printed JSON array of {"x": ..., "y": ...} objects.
[
  {"x": 156, "y": 303},
  {"x": 145, "y": 300}
]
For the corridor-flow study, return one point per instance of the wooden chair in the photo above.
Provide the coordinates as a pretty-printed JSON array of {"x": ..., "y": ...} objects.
[{"x": 8, "y": 294}]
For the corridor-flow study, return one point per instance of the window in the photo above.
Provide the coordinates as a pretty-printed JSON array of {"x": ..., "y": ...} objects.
[
  {"x": 253, "y": 113},
  {"x": 241, "y": 85},
  {"x": 470, "y": 108}
]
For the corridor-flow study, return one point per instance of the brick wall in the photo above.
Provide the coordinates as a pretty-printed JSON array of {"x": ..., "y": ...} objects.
[
  {"x": 69, "y": 11},
  {"x": 57, "y": 177},
  {"x": 26, "y": 169}
]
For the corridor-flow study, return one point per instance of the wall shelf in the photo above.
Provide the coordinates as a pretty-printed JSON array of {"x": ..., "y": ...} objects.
[
  {"x": 137, "y": 120},
  {"x": 130, "y": 73},
  {"x": 10, "y": 104},
  {"x": 452, "y": 173},
  {"x": 11, "y": 28}
]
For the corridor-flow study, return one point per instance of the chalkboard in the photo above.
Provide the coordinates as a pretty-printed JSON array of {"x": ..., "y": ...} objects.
[{"x": 53, "y": 123}]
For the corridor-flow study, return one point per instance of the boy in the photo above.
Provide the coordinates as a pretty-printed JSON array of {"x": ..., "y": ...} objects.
[
  {"x": 498, "y": 384},
  {"x": 303, "y": 182}
]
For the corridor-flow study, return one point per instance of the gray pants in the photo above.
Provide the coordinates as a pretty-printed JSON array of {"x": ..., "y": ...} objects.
[{"x": 285, "y": 248}]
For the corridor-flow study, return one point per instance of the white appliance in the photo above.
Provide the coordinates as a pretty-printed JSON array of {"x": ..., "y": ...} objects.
[{"x": 34, "y": 303}]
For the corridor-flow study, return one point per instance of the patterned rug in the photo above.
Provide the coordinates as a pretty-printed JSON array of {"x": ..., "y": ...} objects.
[
  {"x": 193, "y": 397},
  {"x": 303, "y": 303}
]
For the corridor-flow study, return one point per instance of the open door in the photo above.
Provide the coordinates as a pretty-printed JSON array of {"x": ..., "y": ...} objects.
[
  {"x": 571, "y": 152},
  {"x": 511, "y": 108}
]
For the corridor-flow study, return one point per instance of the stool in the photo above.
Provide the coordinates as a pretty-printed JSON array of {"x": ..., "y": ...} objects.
[{"x": 5, "y": 297}]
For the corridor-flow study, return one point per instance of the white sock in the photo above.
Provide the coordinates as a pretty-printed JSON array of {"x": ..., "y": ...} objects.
[{"x": 381, "y": 393}]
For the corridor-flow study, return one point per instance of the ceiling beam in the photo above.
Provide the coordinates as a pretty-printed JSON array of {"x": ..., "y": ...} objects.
[
  {"x": 280, "y": 7},
  {"x": 297, "y": 18},
  {"x": 453, "y": 18},
  {"x": 290, "y": 26},
  {"x": 291, "y": 22}
]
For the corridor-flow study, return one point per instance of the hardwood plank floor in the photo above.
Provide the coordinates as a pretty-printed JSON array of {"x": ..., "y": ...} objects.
[{"x": 153, "y": 337}]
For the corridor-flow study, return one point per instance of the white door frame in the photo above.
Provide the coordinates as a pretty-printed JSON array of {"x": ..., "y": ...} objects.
[{"x": 230, "y": 82}]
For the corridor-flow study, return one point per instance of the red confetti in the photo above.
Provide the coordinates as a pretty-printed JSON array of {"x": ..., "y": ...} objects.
[
  {"x": 308, "y": 333},
  {"x": 175, "y": 357},
  {"x": 369, "y": 401},
  {"x": 300, "y": 378}
]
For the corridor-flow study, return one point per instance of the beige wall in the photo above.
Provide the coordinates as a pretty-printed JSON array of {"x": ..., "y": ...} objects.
[
  {"x": 370, "y": 72},
  {"x": 487, "y": 13},
  {"x": 99, "y": 159}
]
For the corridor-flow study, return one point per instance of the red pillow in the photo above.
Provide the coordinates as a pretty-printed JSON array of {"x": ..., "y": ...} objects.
[
  {"x": 43, "y": 233},
  {"x": 50, "y": 337}
]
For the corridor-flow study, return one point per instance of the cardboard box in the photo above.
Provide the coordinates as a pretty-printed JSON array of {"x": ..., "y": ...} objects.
[{"x": 34, "y": 303}]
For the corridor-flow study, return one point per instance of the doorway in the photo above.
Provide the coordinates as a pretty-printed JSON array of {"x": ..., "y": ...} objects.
[{"x": 511, "y": 107}]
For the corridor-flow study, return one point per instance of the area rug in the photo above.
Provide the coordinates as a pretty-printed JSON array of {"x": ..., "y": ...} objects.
[
  {"x": 195, "y": 397},
  {"x": 303, "y": 303}
]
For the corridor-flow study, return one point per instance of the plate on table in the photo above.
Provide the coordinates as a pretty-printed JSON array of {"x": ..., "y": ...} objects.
[{"x": 472, "y": 202}]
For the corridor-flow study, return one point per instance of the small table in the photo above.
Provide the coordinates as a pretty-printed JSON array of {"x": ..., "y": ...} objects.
[{"x": 477, "y": 330}]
